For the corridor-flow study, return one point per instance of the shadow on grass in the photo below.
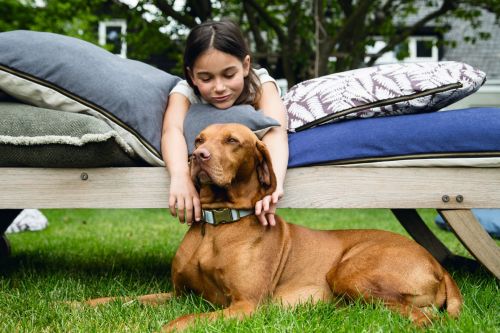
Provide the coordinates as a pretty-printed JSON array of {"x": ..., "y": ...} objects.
[{"x": 142, "y": 267}]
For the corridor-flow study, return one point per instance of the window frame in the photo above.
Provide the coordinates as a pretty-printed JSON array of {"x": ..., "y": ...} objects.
[
  {"x": 122, "y": 24},
  {"x": 390, "y": 57}
]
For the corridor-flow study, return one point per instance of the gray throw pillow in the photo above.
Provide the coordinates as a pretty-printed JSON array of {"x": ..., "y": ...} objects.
[
  {"x": 35, "y": 137},
  {"x": 68, "y": 74},
  {"x": 383, "y": 90},
  {"x": 200, "y": 116}
]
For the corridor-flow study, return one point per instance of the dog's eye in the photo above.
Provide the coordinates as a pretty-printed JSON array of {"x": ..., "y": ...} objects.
[
  {"x": 232, "y": 140},
  {"x": 198, "y": 141}
]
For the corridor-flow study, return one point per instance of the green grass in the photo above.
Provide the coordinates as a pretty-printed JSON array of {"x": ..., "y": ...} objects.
[{"x": 92, "y": 253}]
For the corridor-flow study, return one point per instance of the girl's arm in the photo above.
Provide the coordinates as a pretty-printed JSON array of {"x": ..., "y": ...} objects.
[
  {"x": 276, "y": 141},
  {"x": 183, "y": 198}
]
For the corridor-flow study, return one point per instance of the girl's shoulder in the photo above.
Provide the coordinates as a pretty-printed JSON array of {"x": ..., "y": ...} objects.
[
  {"x": 182, "y": 87},
  {"x": 264, "y": 77},
  {"x": 263, "y": 74}
]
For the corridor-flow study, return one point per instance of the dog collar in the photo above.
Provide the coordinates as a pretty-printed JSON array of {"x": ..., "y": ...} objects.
[{"x": 224, "y": 215}]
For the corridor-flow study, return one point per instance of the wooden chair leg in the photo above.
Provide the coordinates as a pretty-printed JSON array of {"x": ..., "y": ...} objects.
[
  {"x": 416, "y": 227},
  {"x": 6, "y": 218},
  {"x": 4, "y": 247},
  {"x": 472, "y": 235}
]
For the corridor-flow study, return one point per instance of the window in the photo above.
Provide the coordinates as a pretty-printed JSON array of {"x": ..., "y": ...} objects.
[
  {"x": 419, "y": 48},
  {"x": 112, "y": 34},
  {"x": 423, "y": 48}
]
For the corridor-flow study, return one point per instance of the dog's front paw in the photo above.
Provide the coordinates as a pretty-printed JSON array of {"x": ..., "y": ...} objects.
[{"x": 178, "y": 325}]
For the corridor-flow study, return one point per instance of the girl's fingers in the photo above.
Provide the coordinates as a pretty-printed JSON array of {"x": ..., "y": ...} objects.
[
  {"x": 271, "y": 220},
  {"x": 265, "y": 203},
  {"x": 197, "y": 209},
  {"x": 261, "y": 216},
  {"x": 265, "y": 209},
  {"x": 188, "y": 207},
  {"x": 171, "y": 205},
  {"x": 180, "y": 210},
  {"x": 258, "y": 207},
  {"x": 262, "y": 219},
  {"x": 275, "y": 197}
]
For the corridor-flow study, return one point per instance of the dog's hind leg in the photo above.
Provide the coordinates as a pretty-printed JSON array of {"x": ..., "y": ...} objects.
[
  {"x": 372, "y": 289},
  {"x": 238, "y": 310},
  {"x": 151, "y": 299},
  {"x": 155, "y": 299}
]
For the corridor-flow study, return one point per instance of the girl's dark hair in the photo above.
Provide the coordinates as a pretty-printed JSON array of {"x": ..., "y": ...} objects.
[{"x": 224, "y": 36}]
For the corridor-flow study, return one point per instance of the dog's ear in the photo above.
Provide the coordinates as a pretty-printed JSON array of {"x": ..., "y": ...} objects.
[{"x": 264, "y": 166}]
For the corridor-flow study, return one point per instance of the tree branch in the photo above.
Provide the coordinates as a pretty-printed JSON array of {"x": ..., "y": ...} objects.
[
  {"x": 252, "y": 20},
  {"x": 168, "y": 10},
  {"x": 346, "y": 6},
  {"x": 200, "y": 9},
  {"x": 262, "y": 51},
  {"x": 269, "y": 20},
  {"x": 356, "y": 18},
  {"x": 385, "y": 12},
  {"x": 447, "y": 6}
]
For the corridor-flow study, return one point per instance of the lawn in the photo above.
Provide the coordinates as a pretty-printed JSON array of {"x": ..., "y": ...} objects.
[{"x": 92, "y": 253}]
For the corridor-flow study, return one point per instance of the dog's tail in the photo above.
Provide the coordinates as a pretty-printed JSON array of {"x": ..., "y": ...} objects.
[{"x": 453, "y": 297}]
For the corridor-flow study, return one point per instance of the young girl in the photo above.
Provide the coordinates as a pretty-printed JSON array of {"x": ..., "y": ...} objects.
[{"x": 217, "y": 68}]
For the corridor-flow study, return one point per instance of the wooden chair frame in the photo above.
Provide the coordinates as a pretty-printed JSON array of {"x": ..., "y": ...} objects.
[{"x": 453, "y": 191}]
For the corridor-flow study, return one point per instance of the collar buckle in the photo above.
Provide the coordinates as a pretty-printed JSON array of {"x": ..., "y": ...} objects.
[{"x": 224, "y": 215}]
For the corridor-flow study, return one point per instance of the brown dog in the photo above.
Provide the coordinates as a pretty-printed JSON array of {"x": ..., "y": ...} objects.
[{"x": 240, "y": 265}]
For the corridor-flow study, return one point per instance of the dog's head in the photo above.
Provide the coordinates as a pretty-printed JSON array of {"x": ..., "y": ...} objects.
[{"x": 231, "y": 167}]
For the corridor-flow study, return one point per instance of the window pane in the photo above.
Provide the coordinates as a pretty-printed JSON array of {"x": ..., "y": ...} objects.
[
  {"x": 424, "y": 49},
  {"x": 113, "y": 38}
]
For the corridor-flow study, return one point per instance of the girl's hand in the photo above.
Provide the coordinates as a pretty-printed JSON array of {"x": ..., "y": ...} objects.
[
  {"x": 184, "y": 201},
  {"x": 266, "y": 208}
]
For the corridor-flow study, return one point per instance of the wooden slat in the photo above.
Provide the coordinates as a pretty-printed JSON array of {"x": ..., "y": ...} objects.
[
  {"x": 310, "y": 187},
  {"x": 474, "y": 237},
  {"x": 66, "y": 188},
  {"x": 351, "y": 187}
]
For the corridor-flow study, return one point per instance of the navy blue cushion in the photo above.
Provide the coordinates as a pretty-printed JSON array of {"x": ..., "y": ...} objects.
[{"x": 454, "y": 133}]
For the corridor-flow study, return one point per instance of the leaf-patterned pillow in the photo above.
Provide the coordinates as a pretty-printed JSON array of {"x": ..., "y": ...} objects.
[{"x": 383, "y": 90}]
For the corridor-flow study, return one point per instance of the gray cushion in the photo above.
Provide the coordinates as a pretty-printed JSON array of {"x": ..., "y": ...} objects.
[
  {"x": 383, "y": 90},
  {"x": 37, "y": 137},
  {"x": 68, "y": 74},
  {"x": 200, "y": 116}
]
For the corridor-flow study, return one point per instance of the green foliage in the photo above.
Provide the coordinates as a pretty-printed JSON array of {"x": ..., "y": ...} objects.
[
  {"x": 15, "y": 15},
  {"x": 294, "y": 39},
  {"x": 73, "y": 18},
  {"x": 80, "y": 18}
]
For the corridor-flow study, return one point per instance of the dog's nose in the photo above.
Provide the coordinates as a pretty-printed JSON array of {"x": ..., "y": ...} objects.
[{"x": 202, "y": 154}]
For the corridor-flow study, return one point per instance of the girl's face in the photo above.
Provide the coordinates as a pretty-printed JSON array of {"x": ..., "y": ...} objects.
[{"x": 219, "y": 77}]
